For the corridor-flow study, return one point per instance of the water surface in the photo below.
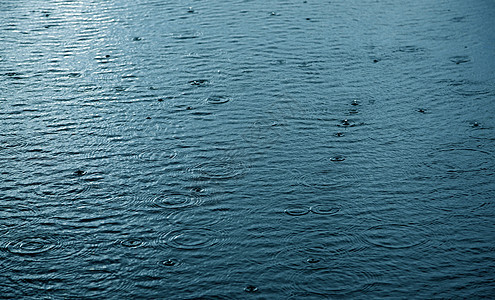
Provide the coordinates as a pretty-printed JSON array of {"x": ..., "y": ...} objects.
[{"x": 247, "y": 150}]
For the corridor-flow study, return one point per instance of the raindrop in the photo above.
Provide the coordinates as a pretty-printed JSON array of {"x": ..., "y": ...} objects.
[
  {"x": 79, "y": 173},
  {"x": 250, "y": 289},
  {"x": 169, "y": 262},
  {"x": 199, "y": 82}
]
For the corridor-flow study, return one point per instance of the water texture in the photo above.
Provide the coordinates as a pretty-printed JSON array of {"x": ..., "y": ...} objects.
[{"x": 247, "y": 149}]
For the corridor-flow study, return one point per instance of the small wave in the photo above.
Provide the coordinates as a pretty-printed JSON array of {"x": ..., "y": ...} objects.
[{"x": 191, "y": 238}]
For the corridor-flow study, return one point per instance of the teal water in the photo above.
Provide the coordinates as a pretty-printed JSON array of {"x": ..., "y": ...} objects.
[{"x": 247, "y": 149}]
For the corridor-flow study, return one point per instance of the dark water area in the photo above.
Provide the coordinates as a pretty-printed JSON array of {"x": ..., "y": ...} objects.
[{"x": 247, "y": 149}]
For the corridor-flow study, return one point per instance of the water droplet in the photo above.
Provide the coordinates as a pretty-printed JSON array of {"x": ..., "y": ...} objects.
[
  {"x": 79, "y": 173},
  {"x": 346, "y": 122},
  {"x": 250, "y": 289},
  {"x": 169, "y": 263},
  {"x": 199, "y": 82}
]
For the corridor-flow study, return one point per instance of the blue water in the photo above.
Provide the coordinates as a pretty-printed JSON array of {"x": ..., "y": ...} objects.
[{"x": 247, "y": 149}]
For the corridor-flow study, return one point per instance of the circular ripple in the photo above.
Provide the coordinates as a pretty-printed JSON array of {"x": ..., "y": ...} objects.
[
  {"x": 218, "y": 170},
  {"x": 469, "y": 88},
  {"x": 396, "y": 236},
  {"x": 317, "y": 249},
  {"x": 202, "y": 216},
  {"x": 174, "y": 201},
  {"x": 325, "y": 209},
  {"x": 132, "y": 243},
  {"x": 218, "y": 99},
  {"x": 460, "y": 59},
  {"x": 263, "y": 130},
  {"x": 297, "y": 210},
  {"x": 31, "y": 246},
  {"x": 170, "y": 262},
  {"x": 484, "y": 134},
  {"x": 333, "y": 282},
  {"x": 157, "y": 155},
  {"x": 325, "y": 180},
  {"x": 14, "y": 216},
  {"x": 191, "y": 239},
  {"x": 43, "y": 248},
  {"x": 312, "y": 256},
  {"x": 460, "y": 160}
]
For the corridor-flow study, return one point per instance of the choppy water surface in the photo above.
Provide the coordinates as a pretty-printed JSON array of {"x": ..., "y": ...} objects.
[{"x": 247, "y": 150}]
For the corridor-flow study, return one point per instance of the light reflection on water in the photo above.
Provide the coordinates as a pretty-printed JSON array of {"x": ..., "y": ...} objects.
[{"x": 268, "y": 150}]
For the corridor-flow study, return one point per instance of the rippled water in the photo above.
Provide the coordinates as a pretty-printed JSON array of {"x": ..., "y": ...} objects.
[{"x": 249, "y": 149}]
